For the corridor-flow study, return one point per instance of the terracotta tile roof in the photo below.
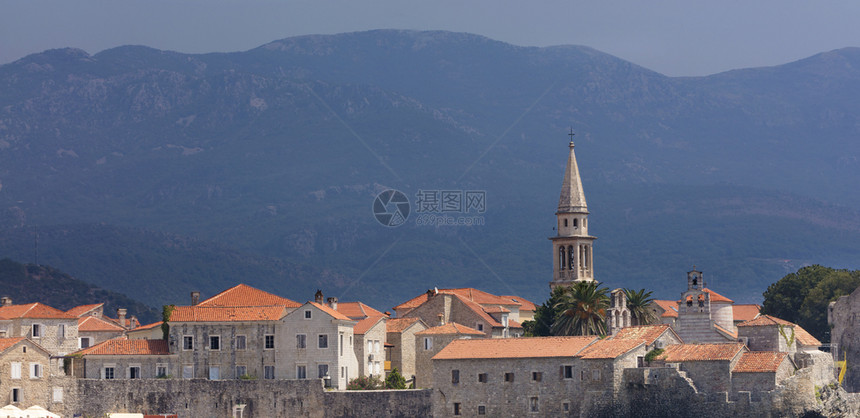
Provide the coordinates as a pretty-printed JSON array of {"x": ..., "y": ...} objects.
[
  {"x": 715, "y": 297},
  {"x": 123, "y": 347},
  {"x": 745, "y": 312},
  {"x": 83, "y": 309},
  {"x": 759, "y": 362},
  {"x": 649, "y": 333},
  {"x": 366, "y": 324},
  {"x": 91, "y": 323},
  {"x": 5, "y": 343},
  {"x": 334, "y": 314},
  {"x": 525, "y": 305},
  {"x": 474, "y": 295},
  {"x": 479, "y": 310},
  {"x": 514, "y": 324},
  {"x": 731, "y": 334},
  {"x": 244, "y": 295},
  {"x": 496, "y": 309},
  {"x": 400, "y": 324},
  {"x": 539, "y": 347},
  {"x": 357, "y": 310},
  {"x": 450, "y": 328},
  {"x": 700, "y": 352},
  {"x": 33, "y": 310},
  {"x": 800, "y": 334},
  {"x": 226, "y": 313},
  {"x": 147, "y": 326},
  {"x": 610, "y": 348},
  {"x": 670, "y": 308}
]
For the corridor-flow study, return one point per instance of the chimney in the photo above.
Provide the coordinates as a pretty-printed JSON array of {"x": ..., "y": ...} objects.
[
  {"x": 441, "y": 319},
  {"x": 318, "y": 297},
  {"x": 132, "y": 323},
  {"x": 332, "y": 303},
  {"x": 195, "y": 298},
  {"x": 5, "y": 301},
  {"x": 120, "y": 315}
]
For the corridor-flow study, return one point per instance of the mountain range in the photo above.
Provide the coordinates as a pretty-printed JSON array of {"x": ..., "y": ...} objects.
[{"x": 157, "y": 173}]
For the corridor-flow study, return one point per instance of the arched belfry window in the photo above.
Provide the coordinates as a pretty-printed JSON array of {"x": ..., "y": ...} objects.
[
  {"x": 571, "y": 261},
  {"x": 575, "y": 222},
  {"x": 565, "y": 223},
  {"x": 561, "y": 258}
]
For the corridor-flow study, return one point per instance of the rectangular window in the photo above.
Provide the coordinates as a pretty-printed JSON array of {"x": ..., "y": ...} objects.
[
  {"x": 428, "y": 343},
  {"x": 323, "y": 341},
  {"x": 369, "y": 346},
  {"x": 187, "y": 371},
  {"x": 241, "y": 371},
  {"x": 110, "y": 373},
  {"x": 57, "y": 395},
  {"x": 269, "y": 372},
  {"x": 482, "y": 377},
  {"x": 35, "y": 370},
  {"x": 595, "y": 375},
  {"x": 301, "y": 371},
  {"x": 323, "y": 370},
  {"x": 533, "y": 404},
  {"x": 376, "y": 346},
  {"x": 308, "y": 314},
  {"x": 342, "y": 372},
  {"x": 214, "y": 342},
  {"x": 214, "y": 373},
  {"x": 482, "y": 410},
  {"x": 37, "y": 330},
  {"x": 479, "y": 326},
  {"x": 455, "y": 376},
  {"x": 582, "y": 375},
  {"x": 16, "y": 370},
  {"x": 568, "y": 372},
  {"x": 509, "y": 377},
  {"x": 61, "y": 331},
  {"x": 301, "y": 341},
  {"x": 134, "y": 372},
  {"x": 456, "y": 408},
  {"x": 16, "y": 395},
  {"x": 565, "y": 406},
  {"x": 340, "y": 345},
  {"x": 240, "y": 342},
  {"x": 188, "y": 342},
  {"x": 161, "y": 370},
  {"x": 269, "y": 342},
  {"x": 537, "y": 376},
  {"x": 85, "y": 342}
]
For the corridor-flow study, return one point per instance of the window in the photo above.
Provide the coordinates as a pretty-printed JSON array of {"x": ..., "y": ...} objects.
[
  {"x": 109, "y": 372},
  {"x": 57, "y": 395},
  {"x": 301, "y": 341},
  {"x": 565, "y": 223},
  {"x": 567, "y": 372},
  {"x": 161, "y": 370},
  {"x": 240, "y": 342},
  {"x": 84, "y": 342},
  {"x": 16, "y": 395},
  {"x": 214, "y": 342},
  {"x": 187, "y": 371},
  {"x": 323, "y": 370},
  {"x": 482, "y": 377},
  {"x": 269, "y": 372},
  {"x": 241, "y": 371},
  {"x": 575, "y": 223},
  {"x": 565, "y": 406},
  {"x": 301, "y": 371},
  {"x": 428, "y": 343},
  {"x": 504, "y": 320},
  {"x": 37, "y": 330},
  {"x": 269, "y": 342},
  {"x": 533, "y": 404},
  {"x": 188, "y": 342},
  {"x": 35, "y": 370},
  {"x": 214, "y": 373},
  {"x": 482, "y": 410},
  {"x": 61, "y": 331},
  {"x": 308, "y": 314},
  {"x": 582, "y": 375},
  {"x": 537, "y": 376},
  {"x": 342, "y": 372},
  {"x": 376, "y": 346},
  {"x": 479, "y": 326},
  {"x": 456, "y": 408},
  {"x": 455, "y": 376},
  {"x": 369, "y": 346},
  {"x": 340, "y": 345},
  {"x": 595, "y": 375},
  {"x": 16, "y": 370},
  {"x": 134, "y": 372},
  {"x": 509, "y": 377},
  {"x": 323, "y": 341}
]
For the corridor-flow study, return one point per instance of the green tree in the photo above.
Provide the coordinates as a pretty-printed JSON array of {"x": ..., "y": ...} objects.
[
  {"x": 395, "y": 380},
  {"x": 365, "y": 383},
  {"x": 639, "y": 303},
  {"x": 166, "y": 310},
  {"x": 545, "y": 315},
  {"x": 582, "y": 310}
]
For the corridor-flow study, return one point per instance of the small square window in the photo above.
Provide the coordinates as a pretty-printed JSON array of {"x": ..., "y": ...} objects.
[
  {"x": 187, "y": 371},
  {"x": 214, "y": 342},
  {"x": 109, "y": 373},
  {"x": 323, "y": 341},
  {"x": 301, "y": 372},
  {"x": 482, "y": 410},
  {"x": 509, "y": 377},
  {"x": 455, "y": 376},
  {"x": 301, "y": 341},
  {"x": 188, "y": 342},
  {"x": 85, "y": 342},
  {"x": 565, "y": 406},
  {"x": 308, "y": 314},
  {"x": 595, "y": 375},
  {"x": 537, "y": 376},
  {"x": 161, "y": 370},
  {"x": 57, "y": 395},
  {"x": 241, "y": 371},
  {"x": 269, "y": 342},
  {"x": 479, "y": 326},
  {"x": 568, "y": 372},
  {"x": 241, "y": 342},
  {"x": 482, "y": 377},
  {"x": 37, "y": 330},
  {"x": 134, "y": 372},
  {"x": 269, "y": 372},
  {"x": 35, "y": 370}
]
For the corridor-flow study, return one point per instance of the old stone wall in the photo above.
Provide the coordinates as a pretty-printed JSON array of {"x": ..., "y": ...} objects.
[
  {"x": 845, "y": 336},
  {"x": 820, "y": 365},
  {"x": 710, "y": 376},
  {"x": 200, "y": 358},
  {"x": 767, "y": 338}
]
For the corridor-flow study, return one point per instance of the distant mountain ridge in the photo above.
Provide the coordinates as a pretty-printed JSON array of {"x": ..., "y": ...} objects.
[{"x": 276, "y": 153}]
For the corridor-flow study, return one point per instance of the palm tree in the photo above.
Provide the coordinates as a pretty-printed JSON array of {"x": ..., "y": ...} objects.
[
  {"x": 639, "y": 303},
  {"x": 582, "y": 310}
]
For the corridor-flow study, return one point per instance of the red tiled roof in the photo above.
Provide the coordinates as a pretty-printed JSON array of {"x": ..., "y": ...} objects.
[
  {"x": 450, "y": 328},
  {"x": 802, "y": 336},
  {"x": 474, "y": 295},
  {"x": 334, "y": 314},
  {"x": 226, "y": 313},
  {"x": 399, "y": 324},
  {"x": 759, "y": 362},
  {"x": 649, "y": 333},
  {"x": 610, "y": 348},
  {"x": 147, "y": 326},
  {"x": 715, "y": 297},
  {"x": 745, "y": 312},
  {"x": 514, "y": 324},
  {"x": 700, "y": 352},
  {"x": 5, "y": 343},
  {"x": 123, "y": 347},
  {"x": 92, "y": 324},
  {"x": 366, "y": 324},
  {"x": 670, "y": 308},
  {"x": 525, "y": 305},
  {"x": 83, "y": 309},
  {"x": 357, "y": 310},
  {"x": 539, "y": 347},
  {"x": 496, "y": 309},
  {"x": 33, "y": 310},
  {"x": 731, "y": 334},
  {"x": 244, "y": 295}
]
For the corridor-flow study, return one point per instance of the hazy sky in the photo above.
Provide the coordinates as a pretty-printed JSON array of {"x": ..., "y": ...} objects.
[{"x": 684, "y": 37}]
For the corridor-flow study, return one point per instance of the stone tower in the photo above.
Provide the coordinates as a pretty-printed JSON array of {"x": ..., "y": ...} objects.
[{"x": 571, "y": 247}]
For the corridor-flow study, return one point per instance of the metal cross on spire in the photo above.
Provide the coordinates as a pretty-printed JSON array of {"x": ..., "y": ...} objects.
[{"x": 571, "y": 134}]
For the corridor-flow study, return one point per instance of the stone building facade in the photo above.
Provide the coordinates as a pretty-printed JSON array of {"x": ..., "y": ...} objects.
[
  {"x": 53, "y": 329},
  {"x": 26, "y": 372},
  {"x": 369, "y": 334},
  {"x": 400, "y": 335},
  {"x": 493, "y": 315},
  {"x": 704, "y": 316},
  {"x": 759, "y": 371},
  {"x": 433, "y": 340}
]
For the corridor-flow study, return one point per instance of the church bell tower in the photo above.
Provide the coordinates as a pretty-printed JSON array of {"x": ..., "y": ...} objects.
[{"x": 572, "y": 246}]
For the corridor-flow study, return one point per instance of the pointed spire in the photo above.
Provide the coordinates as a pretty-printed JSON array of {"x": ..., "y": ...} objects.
[{"x": 572, "y": 197}]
